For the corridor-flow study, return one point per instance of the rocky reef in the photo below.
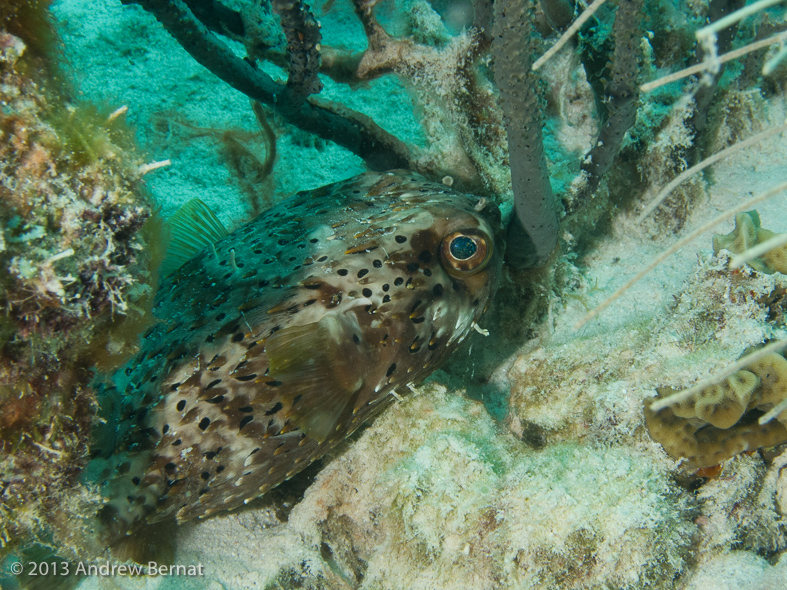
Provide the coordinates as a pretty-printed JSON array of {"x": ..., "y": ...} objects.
[{"x": 75, "y": 277}]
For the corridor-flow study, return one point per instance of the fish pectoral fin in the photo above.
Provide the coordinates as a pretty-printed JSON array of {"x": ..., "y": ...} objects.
[
  {"x": 321, "y": 368},
  {"x": 193, "y": 227}
]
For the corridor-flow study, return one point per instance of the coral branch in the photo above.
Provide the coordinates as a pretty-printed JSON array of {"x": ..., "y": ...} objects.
[
  {"x": 621, "y": 93},
  {"x": 532, "y": 233},
  {"x": 217, "y": 17},
  {"x": 347, "y": 128},
  {"x": 303, "y": 41}
]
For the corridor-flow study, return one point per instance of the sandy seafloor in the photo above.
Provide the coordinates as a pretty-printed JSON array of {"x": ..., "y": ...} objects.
[{"x": 419, "y": 484}]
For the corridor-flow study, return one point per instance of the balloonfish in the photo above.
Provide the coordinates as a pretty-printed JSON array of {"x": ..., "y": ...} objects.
[{"x": 276, "y": 341}]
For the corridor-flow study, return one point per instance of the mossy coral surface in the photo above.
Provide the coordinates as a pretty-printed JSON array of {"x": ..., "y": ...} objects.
[{"x": 74, "y": 282}]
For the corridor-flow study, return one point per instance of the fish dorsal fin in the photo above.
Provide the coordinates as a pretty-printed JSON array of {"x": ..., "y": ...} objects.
[
  {"x": 191, "y": 229},
  {"x": 321, "y": 368}
]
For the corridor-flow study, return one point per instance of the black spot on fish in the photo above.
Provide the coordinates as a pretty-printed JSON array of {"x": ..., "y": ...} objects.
[
  {"x": 363, "y": 272},
  {"x": 245, "y": 421},
  {"x": 398, "y": 281},
  {"x": 238, "y": 337},
  {"x": 377, "y": 263},
  {"x": 276, "y": 408},
  {"x": 400, "y": 239},
  {"x": 213, "y": 383},
  {"x": 205, "y": 475},
  {"x": 367, "y": 292},
  {"x": 246, "y": 377},
  {"x": 246, "y": 409},
  {"x": 342, "y": 272},
  {"x": 215, "y": 400},
  {"x": 437, "y": 290},
  {"x": 386, "y": 286},
  {"x": 386, "y": 298},
  {"x": 390, "y": 370},
  {"x": 204, "y": 423},
  {"x": 181, "y": 405}
]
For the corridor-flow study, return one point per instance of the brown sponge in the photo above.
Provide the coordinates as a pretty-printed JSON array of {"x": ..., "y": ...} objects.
[{"x": 718, "y": 422}]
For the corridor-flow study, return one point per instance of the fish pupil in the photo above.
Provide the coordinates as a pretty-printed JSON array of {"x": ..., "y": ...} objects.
[{"x": 462, "y": 248}]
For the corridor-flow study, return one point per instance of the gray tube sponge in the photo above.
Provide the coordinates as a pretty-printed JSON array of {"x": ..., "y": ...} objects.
[
  {"x": 533, "y": 230},
  {"x": 621, "y": 93}
]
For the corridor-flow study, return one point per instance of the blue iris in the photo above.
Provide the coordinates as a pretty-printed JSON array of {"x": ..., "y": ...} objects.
[{"x": 462, "y": 248}]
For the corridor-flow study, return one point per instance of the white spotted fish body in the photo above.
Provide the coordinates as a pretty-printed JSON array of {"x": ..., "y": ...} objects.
[{"x": 277, "y": 341}]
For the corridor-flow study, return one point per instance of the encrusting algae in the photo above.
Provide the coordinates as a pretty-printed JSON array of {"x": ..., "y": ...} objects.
[{"x": 275, "y": 342}]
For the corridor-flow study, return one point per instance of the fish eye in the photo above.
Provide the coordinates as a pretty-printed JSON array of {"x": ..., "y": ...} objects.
[
  {"x": 462, "y": 247},
  {"x": 465, "y": 252}
]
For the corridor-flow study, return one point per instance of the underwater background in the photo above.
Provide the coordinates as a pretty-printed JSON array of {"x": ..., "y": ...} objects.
[{"x": 531, "y": 460}]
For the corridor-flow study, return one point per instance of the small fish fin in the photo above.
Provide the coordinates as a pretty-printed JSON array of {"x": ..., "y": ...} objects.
[
  {"x": 191, "y": 229},
  {"x": 320, "y": 367},
  {"x": 149, "y": 542}
]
